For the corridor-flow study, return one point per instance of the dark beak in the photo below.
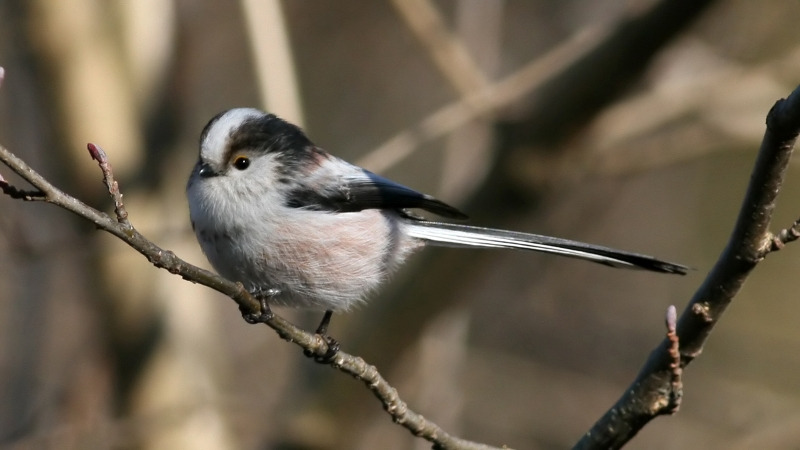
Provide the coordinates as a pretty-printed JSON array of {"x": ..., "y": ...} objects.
[{"x": 206, "y": 171}]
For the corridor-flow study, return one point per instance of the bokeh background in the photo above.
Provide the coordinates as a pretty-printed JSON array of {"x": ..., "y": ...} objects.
[{"x": 629, "y": 123}]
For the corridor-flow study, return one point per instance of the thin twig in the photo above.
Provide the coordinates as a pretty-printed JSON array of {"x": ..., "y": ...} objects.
[
  {"x": 783, "y": 237},
  {"x": 99, "y": 155},
  {"x": 676, "y": 384},
  {"x": 165, "y": 259},
  {"x": 21, "y": 194}
]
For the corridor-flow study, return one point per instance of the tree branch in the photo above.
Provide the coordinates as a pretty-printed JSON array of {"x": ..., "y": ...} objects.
[{"x": 649, "y": 394}]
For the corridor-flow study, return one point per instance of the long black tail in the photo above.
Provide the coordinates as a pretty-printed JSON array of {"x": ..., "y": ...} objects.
[{"x": 453, "y": 235}]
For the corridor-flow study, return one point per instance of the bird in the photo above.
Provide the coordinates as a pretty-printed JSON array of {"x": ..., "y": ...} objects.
[{"x": 300, "y": 227}]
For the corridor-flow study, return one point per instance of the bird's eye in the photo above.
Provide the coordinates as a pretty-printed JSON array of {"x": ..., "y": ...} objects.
[{"x": 241, "y": 162}]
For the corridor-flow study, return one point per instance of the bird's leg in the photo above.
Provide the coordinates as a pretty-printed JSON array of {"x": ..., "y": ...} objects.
[
  {"x": 322, "y": 329},
  {"x": 262, "y": 295},
  {"x": 333, "y": 344}
]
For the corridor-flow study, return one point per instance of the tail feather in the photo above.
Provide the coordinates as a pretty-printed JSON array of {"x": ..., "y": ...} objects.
[{"x": 454, "y": 235}]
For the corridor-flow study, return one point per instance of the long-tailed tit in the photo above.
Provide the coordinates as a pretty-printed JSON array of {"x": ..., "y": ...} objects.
[{"x": 304, "y": 228}]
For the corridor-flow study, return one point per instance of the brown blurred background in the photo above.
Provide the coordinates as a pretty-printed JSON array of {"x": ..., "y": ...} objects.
[{"x": 629, "y": 123}]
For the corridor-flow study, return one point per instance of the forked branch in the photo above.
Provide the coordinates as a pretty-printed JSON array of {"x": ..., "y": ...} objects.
[{"x": 650, "y": 393}]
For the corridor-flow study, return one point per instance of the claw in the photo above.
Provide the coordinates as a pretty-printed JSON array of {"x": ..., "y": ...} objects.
[
  {"x": 263, "y": 316},
  {"x": 330, "y": 353}
]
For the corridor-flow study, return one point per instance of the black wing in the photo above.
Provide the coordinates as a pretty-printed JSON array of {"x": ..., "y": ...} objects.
[{"x": 362, "y": 189}]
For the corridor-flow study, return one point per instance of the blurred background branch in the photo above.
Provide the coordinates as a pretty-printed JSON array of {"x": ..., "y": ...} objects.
[{"x": 272, "y": 56}]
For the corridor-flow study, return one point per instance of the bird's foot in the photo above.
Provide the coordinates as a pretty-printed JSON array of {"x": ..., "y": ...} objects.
[
  {"x": 266, "y": 314},
  {"x": 333, "y": 345}
]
